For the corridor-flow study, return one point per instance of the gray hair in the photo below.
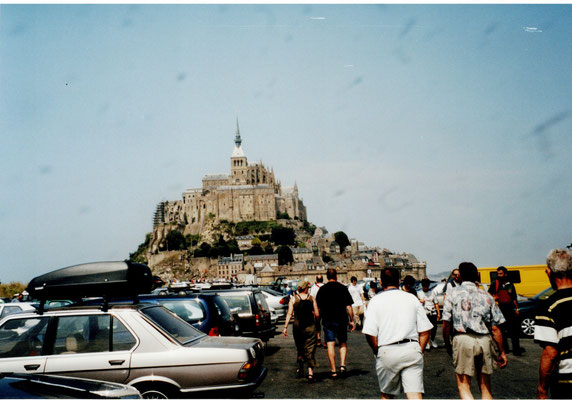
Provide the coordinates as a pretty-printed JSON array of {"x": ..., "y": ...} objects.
[{"x": 560, "y": 261}]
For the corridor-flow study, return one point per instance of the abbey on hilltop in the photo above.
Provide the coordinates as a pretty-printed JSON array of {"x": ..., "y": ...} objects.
[{"x": 250, "y": 192}]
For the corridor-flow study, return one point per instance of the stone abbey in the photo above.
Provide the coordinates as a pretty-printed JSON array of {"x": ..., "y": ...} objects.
[{"x": 250, "y": 192}]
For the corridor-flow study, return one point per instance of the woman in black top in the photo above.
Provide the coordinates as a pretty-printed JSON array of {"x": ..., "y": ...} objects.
[{"x": 305, "y": 310}]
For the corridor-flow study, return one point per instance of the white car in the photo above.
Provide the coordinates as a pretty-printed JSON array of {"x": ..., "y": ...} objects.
[
  {"x": 14, "y": 308},
  {"x": 277, "y": 301}
]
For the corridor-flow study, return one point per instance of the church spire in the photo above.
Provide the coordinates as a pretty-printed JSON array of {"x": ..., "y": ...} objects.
[{"x": 237, "y": 139}]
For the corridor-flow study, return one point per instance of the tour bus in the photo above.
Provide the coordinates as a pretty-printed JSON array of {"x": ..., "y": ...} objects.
[{"x": 528, "y": 279}]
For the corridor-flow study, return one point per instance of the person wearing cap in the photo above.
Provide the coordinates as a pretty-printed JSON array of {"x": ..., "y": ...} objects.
[
  {"x": 397, "y": 330},
  {"x": 305, "y": 311},
  {"x": 553, "y": 329}
]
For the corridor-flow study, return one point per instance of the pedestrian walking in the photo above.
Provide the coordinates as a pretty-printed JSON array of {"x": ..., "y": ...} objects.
[
  {"x": 468, "y": 313},
  {"x": 408, "y": 285},
  {"x": 314, "y": 293},
  {"x": 431, "y": 306},
  {"x": 305, "y": 310},
  {"x": 504, "y": 292},
  {"x": 553, "y": 329},
  {"x": 397, "y": 330},
  {"x": 335, "y": 306},
  {"x": 453, "y": 281},
  {"x": 358, "y": 306}
]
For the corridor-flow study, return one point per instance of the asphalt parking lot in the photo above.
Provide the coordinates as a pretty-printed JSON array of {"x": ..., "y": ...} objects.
[{"x": 518, "y": 380}]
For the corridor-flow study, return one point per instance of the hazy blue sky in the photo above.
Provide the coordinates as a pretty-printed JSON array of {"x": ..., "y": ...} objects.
[{"x": 443, "y": 131}]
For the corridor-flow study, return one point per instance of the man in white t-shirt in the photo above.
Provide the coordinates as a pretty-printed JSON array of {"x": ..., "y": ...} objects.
[
  {"x": 316, "y": 286},
  {"x": 397, "y": 330},
  {"x": 431, "y": 305},
  {"x": 357, "y": 296},
  {"x": 314, "y": 292}
]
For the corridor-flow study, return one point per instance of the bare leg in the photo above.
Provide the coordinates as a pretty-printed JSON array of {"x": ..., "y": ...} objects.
[
  {"x": 332, "y": 355},
  {"x": 343, "y": 353},
  {"x": 464, "y": 385},
  {"x": 485, "y": 386},
  {"x": 414, "y": 395}
]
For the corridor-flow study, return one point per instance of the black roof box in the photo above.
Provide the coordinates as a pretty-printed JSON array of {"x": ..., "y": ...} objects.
[{"x": 98, "y": 279}]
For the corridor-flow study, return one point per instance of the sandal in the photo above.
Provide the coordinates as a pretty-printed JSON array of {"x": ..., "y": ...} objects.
[
  {"x": 333, "y": 375},
  {"x": 299, "y": 373},
  {"x": 343, "y": 370},
  {"x": 311, "y": 379}
]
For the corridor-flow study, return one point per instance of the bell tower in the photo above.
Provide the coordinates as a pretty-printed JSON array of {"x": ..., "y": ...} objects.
[{"x": 238, "y": 162}]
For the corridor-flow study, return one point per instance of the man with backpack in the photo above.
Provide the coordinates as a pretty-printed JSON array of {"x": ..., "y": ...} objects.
[{"x": 504, "y": 292}]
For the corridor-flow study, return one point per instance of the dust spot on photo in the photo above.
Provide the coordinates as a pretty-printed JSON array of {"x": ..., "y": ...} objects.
[
  {"x": 46, "y": 169},
  {"x": 83, "y": 210},
  {"x": 407, "y": 28}
]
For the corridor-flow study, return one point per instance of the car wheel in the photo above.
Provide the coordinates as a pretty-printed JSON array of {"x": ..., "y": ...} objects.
[
  {"x": 156, "y": 391},
  {"x": 527, "y": 326}
]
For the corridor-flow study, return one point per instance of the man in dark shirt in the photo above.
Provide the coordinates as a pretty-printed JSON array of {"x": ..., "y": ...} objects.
[
  {"x": 335, "y": 304},
  {"x": 504, "y": 292},
  {"x": 553, "y": 330}
]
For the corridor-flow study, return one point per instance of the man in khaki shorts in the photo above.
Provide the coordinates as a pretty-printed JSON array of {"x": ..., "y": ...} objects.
[
  {"x": 397, "y": 330},
  {"x": 471, "y": 311}
]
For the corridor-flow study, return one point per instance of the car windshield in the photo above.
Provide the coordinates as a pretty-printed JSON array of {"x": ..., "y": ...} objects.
[
  {"x": 237, "y": 302},
  {"x": 272, "y": 292},
  {"x": 173, "y": 325},
  {"x": 189, "y": 310}
]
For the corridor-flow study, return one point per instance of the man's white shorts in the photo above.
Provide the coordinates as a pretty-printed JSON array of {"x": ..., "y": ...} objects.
[{"x": 400, "y": 365}]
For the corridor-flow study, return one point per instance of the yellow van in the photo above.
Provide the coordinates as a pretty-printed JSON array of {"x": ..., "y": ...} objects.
[{"x": 528, "y": 279}]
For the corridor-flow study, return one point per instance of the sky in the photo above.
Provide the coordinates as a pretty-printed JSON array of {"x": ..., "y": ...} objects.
[{"x": 439, "y": 130}]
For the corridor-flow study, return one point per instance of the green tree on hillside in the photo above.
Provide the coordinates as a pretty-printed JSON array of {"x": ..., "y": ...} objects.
[
  {"x": 175, "y": 240},
  {"x": 255, "y": 250},
  {"x": 285, "y": 255},
  {"x": 283, "y": 236},
  {"x": 203, "y": 250},
  {"x": 308, "y": 227},
  {"x": 220, "y": 249},
  {"x": 342, "y": 239},
  {"x": 233, "y": 246},
  {"x": 140, "y": 255}
]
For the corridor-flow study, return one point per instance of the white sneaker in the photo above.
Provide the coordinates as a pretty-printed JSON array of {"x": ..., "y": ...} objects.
[
  {"x": 434, "y": 344},
  {"x": 428, "y": 347}
]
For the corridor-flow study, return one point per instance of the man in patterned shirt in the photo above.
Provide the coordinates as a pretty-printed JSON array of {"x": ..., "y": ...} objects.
[
  {"x": 472, "y": 313},
  {"x": 554, "y": 329}
]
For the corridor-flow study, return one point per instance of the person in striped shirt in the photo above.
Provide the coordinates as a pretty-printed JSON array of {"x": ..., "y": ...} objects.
[{"x": 554, "y": 329}]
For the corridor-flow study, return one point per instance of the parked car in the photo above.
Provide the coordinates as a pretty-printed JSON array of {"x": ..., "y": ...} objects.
[
  {"x": 142, "y": 345},
  {"x": 207, "y": 312},
  {"x": 254, "y": 316},
  {"x": 13, "y": 308},
  {"x": 276, "y": 300},
  {"x": 529, "y": 308},
  {"x": 33, "y": 386}
]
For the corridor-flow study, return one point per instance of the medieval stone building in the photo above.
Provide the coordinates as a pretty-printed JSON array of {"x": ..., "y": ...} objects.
[{"x": 249, "y": 192}]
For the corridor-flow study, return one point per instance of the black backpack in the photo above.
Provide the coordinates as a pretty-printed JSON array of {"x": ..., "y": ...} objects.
[{"x": 305, "y": 311}]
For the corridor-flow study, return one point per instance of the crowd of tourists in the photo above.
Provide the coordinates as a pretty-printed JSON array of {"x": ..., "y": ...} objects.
[{"x": 400, "y": 324}]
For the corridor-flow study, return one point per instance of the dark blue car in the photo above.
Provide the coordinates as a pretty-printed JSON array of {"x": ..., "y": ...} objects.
[
  {"x": 207, "y": 312},
  {"x": 529, "y": 308}
]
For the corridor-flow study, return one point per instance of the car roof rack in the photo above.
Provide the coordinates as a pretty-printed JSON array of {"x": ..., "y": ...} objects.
[{"x": 99, "y": 279}]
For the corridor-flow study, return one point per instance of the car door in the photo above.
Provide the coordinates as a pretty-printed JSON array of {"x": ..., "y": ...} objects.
[
  {"x": 22, "y": 344},
  {"x": 91, "y": 346}
]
